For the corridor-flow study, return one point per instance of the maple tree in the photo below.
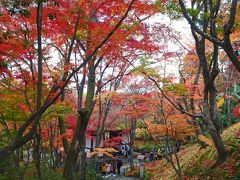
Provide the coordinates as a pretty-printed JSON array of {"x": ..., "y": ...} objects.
[
  {"x": 162, "y": 122},
  {"x": 70, "y": 67},
  {"x": 53, "y": 27},
  {"x": 92, "y": 65}
]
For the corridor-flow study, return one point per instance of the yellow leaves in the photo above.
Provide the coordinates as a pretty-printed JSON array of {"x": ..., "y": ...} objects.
[
  {"x": 176, "y": 89},
  {"x": 80, "y": 34},
  {"x": 140, "y": 132},
  {"x": 159, "y": 6},
  {"x": 237, "y": 18},
  {"x": 103, "y": 151},
  {"x": 205, "y": 140},
  {"x": 220, "y": 102},
  {"x": 231, "y": 132},
  {"x": 98, "y": 153},
  {"x": 146, "y": 70}
]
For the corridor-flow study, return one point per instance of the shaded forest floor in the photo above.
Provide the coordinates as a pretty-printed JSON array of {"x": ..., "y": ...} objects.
[{"x": 198, "y": 163}]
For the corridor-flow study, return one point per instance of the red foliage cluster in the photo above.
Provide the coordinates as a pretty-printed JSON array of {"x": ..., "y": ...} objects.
[
  {"x": 236, "y": 111},
  {"x": 113, "y": 142}
]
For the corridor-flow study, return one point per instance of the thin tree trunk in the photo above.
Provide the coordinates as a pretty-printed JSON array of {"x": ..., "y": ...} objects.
[
  {"x": 39, "y": 87},
  {"x": 63, "y": 131},
  {"x": 38, "y": 152},
  {"x": 132, "y": 135},
  {"x": 99, "y": 127},
  {"x": 197, "y": 128}
]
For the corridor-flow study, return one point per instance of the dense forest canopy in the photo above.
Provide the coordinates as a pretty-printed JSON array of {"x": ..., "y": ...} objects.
[{"x": 79, "y": 71}]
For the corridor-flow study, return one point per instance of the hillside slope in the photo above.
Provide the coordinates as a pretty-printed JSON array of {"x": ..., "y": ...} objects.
[{"x": 199, "y": 163}]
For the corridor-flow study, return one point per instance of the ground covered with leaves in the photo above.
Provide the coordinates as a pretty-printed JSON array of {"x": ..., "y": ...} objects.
[{"x": 200, "y": 163}]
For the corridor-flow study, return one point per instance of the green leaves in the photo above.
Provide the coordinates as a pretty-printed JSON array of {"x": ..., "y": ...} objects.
[
  {"x": 192, "y": 12},
  {"x": 170, "y": 7},
  {"x": 173, "y": 10},
  {"x": 159, "y": 5},
  {"x": 51, "y": 16},
  {"x": 17, "y": 7},
  {"x": 11, "y": 106},
  {"x": 176, "y": 89},
  {"x": 59, "y": 109},
  {"x": 144, "y": 68}
]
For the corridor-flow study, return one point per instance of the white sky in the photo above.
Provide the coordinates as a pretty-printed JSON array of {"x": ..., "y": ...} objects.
[{"x": 181, "y": 26}]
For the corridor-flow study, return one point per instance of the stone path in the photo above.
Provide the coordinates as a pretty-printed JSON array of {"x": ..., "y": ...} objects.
[
  {"x": 125, "y": 167},
  {"x": 121, "y": 178}
]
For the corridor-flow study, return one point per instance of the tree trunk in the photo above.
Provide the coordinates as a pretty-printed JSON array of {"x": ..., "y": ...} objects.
[
  {"x": 82, "y": 162},
  {"x": 77, "y": 148},
  {"x": 131, "y": 158},
  {"x": 99, "y": 127},
  {"x": 62, "y": 131},
  {"x": 210, "y": 93},
  {"x": 98, "y": 139},
  {"x": 211, "y": 117},
  {"x": 132, "y": 135},
  {"x": 37, "y": 152},
  {"x": 39, "y": 87}
]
